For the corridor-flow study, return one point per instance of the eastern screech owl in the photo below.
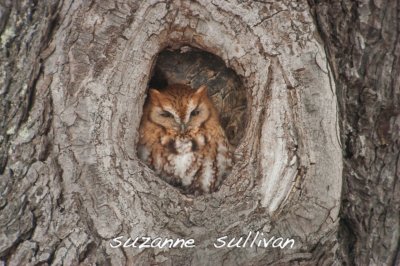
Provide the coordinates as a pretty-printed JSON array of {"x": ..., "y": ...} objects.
[{"x": 182, "y": 140}]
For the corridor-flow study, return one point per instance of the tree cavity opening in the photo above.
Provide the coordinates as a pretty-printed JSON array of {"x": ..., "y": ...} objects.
[{"x": 211, "y": 155}]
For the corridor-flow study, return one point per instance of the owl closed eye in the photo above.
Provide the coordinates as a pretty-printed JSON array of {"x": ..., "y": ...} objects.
[{"x": 182, "y": 140}]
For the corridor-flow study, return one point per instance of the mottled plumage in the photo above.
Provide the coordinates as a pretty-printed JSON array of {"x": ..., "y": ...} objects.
[{"x": 181, "y": 139}]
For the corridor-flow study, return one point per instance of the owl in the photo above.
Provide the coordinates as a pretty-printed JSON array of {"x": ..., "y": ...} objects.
[{"x": 181, "y": 139}]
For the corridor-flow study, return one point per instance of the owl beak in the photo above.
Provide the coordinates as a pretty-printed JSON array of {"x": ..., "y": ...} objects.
[{"x": 183, "y": 128}]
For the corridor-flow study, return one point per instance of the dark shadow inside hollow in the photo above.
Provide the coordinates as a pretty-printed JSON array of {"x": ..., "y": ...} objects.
[{"x": 194, "y": 67}]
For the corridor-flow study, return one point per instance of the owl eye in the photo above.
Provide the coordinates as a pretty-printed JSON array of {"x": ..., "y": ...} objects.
[
  {"x": 194, "y": 112},
  {"x": 166, "y": 114}
]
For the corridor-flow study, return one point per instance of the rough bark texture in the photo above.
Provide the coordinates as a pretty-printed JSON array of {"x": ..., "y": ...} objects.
[
  {"x": 362, "y": 42},
  {"x": 74, "y": 79}
]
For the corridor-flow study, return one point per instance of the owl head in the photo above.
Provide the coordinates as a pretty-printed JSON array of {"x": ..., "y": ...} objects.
[{"x": 179, "y": 108}]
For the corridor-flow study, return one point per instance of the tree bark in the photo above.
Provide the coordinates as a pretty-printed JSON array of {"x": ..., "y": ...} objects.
[
  {"x": 73, "y": 84},
  {"x": 362, "y": 43}
]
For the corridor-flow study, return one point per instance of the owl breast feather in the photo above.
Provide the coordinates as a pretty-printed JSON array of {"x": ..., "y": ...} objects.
[{"x": 184, "y": 161}]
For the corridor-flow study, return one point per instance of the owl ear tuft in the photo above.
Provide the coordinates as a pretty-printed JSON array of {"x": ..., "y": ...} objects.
[
  {"x": 154, "y": 95},
  {"x": 201, "y": 91}
]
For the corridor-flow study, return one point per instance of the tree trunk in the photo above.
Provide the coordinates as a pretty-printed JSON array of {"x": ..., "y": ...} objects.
[
  {"x": 363, "y": 47},
  {"x": 74, "y": 79}
]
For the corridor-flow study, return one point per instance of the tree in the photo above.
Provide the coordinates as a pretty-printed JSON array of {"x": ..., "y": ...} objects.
[
  {"x": 361, "y": 40},
  {"x": 74, "y": 80}
]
